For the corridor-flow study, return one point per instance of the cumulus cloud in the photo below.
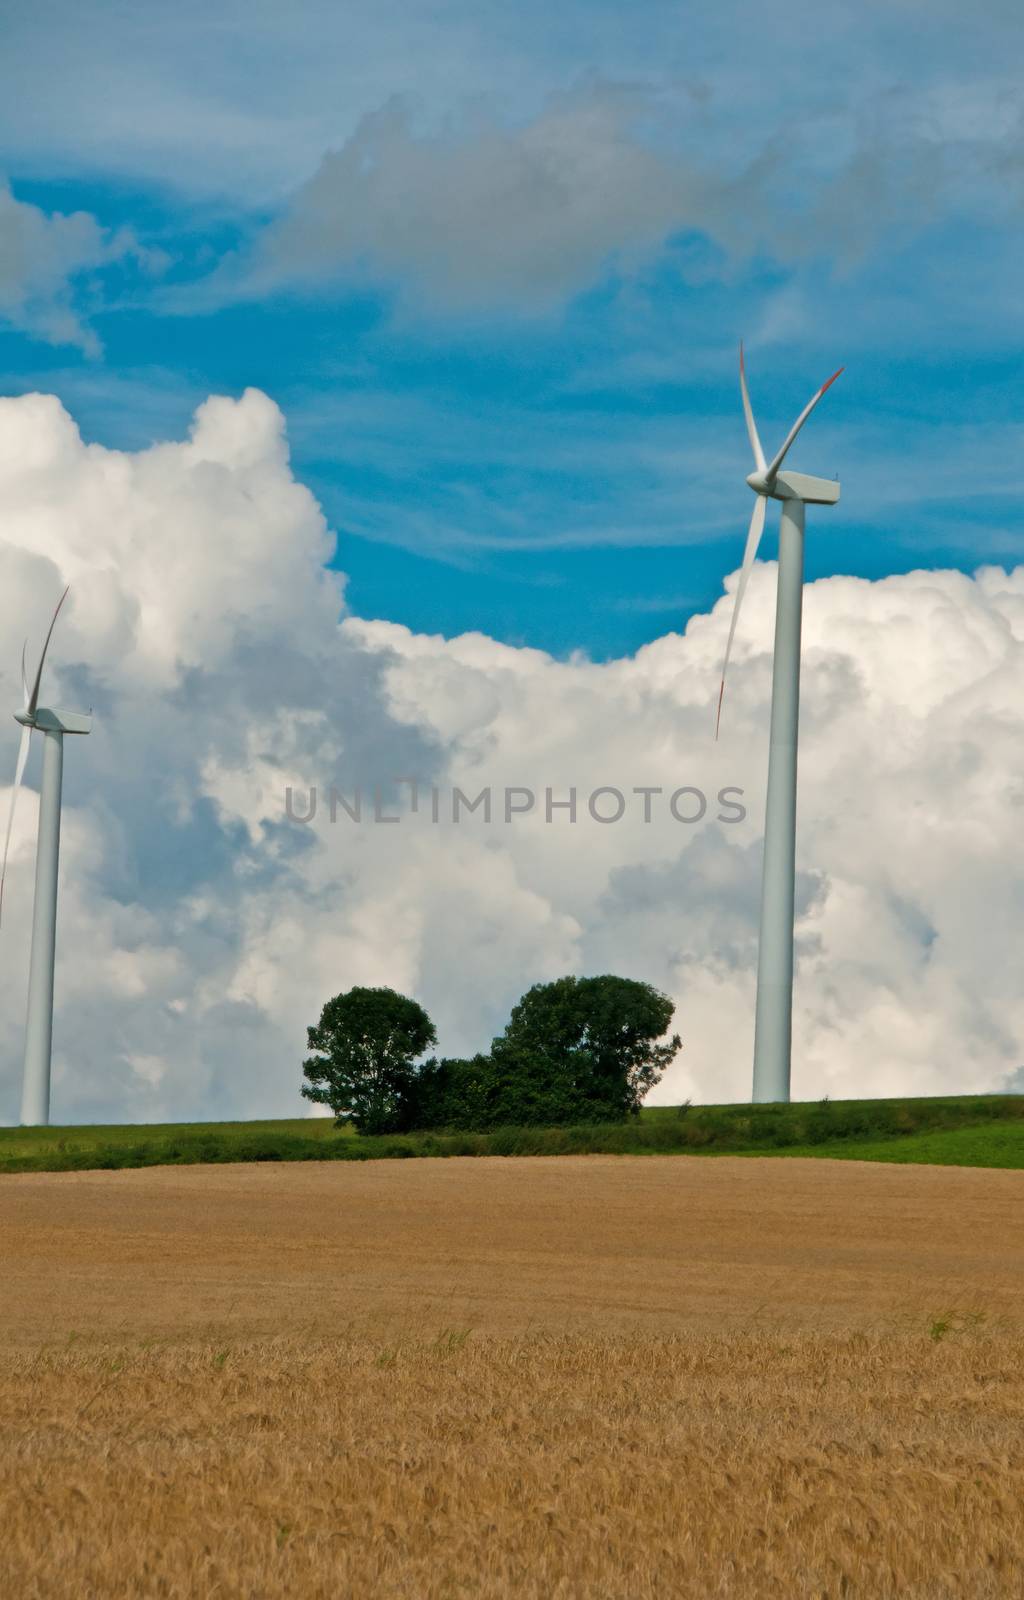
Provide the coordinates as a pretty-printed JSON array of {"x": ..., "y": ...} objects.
[
  {"x": 44, "y": 259},
  {"x": 201, "y": 929}
]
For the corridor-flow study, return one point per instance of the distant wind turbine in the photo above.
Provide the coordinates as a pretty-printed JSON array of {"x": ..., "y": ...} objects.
[
  {"x": 53, "y": 725},
  {"x": 774, "y": 1012}
]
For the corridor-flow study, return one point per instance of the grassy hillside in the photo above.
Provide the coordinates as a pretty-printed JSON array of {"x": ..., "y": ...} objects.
[
  {"x": 965, "y": 1130},
  {"x": 984, "y": 1145}
]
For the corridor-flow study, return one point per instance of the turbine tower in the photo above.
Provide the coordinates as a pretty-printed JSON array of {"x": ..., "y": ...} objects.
[
  {"x": 774, "y": 1013},
  {"x": 53, "y": 725}
]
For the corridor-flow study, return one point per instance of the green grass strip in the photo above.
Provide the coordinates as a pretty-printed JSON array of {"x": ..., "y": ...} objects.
[{"x": 963, "y": 1130}]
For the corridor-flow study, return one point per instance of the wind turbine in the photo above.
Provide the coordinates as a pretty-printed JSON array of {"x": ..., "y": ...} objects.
[
  {"x": 774, "y": 1012},
  {"x": 53, "y": 725}
]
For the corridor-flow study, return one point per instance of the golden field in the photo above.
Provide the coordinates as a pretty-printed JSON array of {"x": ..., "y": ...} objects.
[{"x": 582, "y": 1376}]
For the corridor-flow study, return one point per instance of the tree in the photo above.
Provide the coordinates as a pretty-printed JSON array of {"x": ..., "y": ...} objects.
[
  {"x": 581, "y": 1049},
  {"x": 366, "y": 1042},
  {"x": 451, "y": 1093}
]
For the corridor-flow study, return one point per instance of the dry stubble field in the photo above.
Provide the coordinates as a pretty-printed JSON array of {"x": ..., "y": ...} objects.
[{"x": 581, "y": 1376}]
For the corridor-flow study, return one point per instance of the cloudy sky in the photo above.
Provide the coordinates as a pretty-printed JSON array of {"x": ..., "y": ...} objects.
[{"x": 371, "y": 375}]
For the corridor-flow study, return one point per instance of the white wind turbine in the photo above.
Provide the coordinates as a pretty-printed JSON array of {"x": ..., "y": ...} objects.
[
  {"x": 53, "y": 725},
  {"x": 774, "y": 1012}
]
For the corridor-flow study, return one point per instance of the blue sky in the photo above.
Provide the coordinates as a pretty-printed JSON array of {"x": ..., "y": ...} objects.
[{"x": 494, "y": 269}]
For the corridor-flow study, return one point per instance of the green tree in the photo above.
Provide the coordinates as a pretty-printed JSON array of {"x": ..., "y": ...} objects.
[
  {"x": 451, "y": 1093},
  {"x": 366, "y": 1043},
  {"x": 581, "y": 1050}
]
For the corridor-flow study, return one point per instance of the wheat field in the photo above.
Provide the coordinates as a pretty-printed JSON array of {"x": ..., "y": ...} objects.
[{"x": 594, "y": 1376}]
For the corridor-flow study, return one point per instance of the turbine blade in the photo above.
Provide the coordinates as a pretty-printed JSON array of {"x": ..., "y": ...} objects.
[
  {"x": 753, "y": 540},
  {"x": 752, "y": 434},
  {"x": 24, "y": 674},
  {"x": 33, "y": 699},
  {"x": 19, "y": 772},
  {"x": 772, "y": 471}
]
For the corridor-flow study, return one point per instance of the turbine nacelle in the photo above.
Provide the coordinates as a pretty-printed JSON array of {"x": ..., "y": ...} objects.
[
  {"x": 795, "y": 486},
  {"x": 33, "y": 716},
  {"x": 769, "y": 482},
  {"x": 55, "y": 721}
]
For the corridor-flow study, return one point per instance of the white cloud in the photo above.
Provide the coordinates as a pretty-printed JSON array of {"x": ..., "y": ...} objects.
[
  {"x": 44, "y": 256},
  {"x": 200, "y": 931}
]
